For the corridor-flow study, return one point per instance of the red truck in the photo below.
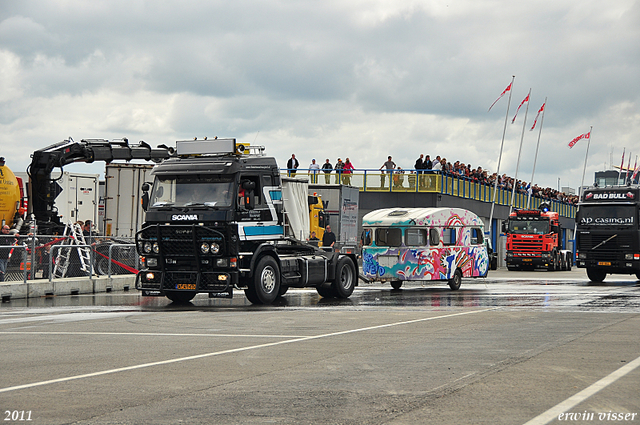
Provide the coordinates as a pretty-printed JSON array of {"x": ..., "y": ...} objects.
[{"x": 533, "y": 241}]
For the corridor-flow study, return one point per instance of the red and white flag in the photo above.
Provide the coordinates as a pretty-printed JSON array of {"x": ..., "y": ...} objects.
[
  {"x": 582, "y": 136},
  {"x": 502, "y": 94},
  {"x": 541, "y": 110},
  {"x": 635, "y": 169},
  {"x": 526, "y": 99},
  {"x": 622, "y": 163}
]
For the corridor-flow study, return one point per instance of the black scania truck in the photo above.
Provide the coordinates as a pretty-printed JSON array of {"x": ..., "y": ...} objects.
[
  {"x": 219, "y": 217},
  {"x": 608, "y": 236}
]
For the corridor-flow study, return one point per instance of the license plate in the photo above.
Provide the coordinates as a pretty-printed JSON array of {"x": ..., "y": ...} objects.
[
  {"x": 527, "y": 259},
  {"x": 604, "y": 263},
  {"x": 188, "y": 286}
]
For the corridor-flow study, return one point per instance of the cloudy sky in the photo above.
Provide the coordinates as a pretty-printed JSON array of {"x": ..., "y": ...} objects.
[{"x": 325, "y": 79}]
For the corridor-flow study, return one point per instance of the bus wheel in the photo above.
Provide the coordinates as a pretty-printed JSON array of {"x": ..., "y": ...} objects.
[
  {"x": 456, "y": 280},
  {"x": 345, "y": 281},
  {"x": 396, "y": 284},
  {"x": 180, "y": 297},
  {"x": 596, "y": 275},
  {"x": 265, "y": 285}
]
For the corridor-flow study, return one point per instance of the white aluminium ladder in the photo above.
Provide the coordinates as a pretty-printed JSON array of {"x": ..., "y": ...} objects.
[{"x": 73, "y": 239}]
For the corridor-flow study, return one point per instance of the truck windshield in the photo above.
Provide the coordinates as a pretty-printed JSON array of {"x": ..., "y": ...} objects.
[
  {"x": 606, "y": 215},
  {"x": 528, "y": 226},
  {"x": 183, "y": 191}
]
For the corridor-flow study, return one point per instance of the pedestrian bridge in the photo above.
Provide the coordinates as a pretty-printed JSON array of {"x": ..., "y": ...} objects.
[{"x": 375, "y": 181}]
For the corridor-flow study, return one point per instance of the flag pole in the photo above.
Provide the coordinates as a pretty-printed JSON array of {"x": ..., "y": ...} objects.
[
  {"x": 621, "y": 165},
  {"x": 585, "y": 163},
  {"x": 515, "y": 179},
  {"x": 535, "y": 158},
  {"x": 495, "y": 185}
]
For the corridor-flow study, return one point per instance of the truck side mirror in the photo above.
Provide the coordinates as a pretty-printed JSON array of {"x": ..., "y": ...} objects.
[
  {"x": 248, "y": 199},
  {"x": 504, "y": 227},
  {"x": 145, "y": 196}
]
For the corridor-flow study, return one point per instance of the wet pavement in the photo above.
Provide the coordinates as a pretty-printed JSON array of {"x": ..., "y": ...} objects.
[
  {"x": 502, "y": 350},
  {"x": 536, "y": 289}
]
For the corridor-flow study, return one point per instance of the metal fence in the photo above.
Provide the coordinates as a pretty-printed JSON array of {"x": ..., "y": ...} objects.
[
  {"x": 53, "y": 257},
  {"x": 429, "y": 182}
]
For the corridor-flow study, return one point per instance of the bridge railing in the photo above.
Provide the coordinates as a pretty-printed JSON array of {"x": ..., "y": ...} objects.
[{"x": 428, "y": 182}]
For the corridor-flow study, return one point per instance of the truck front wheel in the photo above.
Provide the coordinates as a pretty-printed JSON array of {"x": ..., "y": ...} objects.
[
  {"x": 345, "y": 281},
  {"x": 596, "y": 275},
  {"x": 265, "y": 285}
]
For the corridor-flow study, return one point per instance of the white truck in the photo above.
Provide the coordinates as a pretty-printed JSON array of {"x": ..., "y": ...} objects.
[
  {"x": 123, "y": 213},
  {"x": 78, "y": 196},
  {"x": 341, "y": 209}
]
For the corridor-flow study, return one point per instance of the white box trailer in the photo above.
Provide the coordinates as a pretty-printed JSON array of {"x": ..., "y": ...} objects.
[
  {"x": 78, "y": 199},
  {"x": 341, "y": 205},
  {"x": 123, "y": 213}
]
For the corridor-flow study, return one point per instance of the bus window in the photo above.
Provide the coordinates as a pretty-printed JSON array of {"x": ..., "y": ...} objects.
[
  {"x": 434, "y": 237},
  {"x": 415, "y": 237},
  {"x": 389, "y": 237},
  {"x": 476, "y": 236},
  {"x": 366, "y": 237},
  {"x": 449, "y": 236}
]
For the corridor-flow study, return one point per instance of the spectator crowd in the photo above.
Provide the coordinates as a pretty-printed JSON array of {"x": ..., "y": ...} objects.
[{"x": 423, "y": 166}]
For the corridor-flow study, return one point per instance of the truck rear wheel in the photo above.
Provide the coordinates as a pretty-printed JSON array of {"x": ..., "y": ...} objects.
[
  {"x": 325, "y": 290},
  {"x": 596, "y": 275},
  {"x": 456, "y": 280},
  {"x": 180, "y": 297},
  {"x": 345, "y": 281},
  {"x": 265, "y": 285},
  {"x": 569, "y": 261}
]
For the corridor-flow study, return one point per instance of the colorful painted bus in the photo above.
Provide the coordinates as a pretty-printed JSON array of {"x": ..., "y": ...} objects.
[{"x": 401, "y": 244}]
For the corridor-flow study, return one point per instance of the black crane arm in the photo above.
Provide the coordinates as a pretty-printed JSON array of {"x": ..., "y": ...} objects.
[{"x": 43, "y": 189}]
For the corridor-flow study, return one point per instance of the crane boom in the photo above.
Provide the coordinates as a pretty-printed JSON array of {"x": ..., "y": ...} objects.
[{"x": 44, "y": 189}]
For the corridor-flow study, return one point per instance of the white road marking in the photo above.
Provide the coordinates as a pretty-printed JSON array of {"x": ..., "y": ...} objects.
[
  {"x": 235, "y": 350},
  {"x": 68, "y": 317},
  {"x": 148, "y": 334},
  {"x": 578, "y": 398}
]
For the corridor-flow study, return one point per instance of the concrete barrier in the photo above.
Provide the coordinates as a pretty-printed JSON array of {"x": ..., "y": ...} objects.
[{"x": 66, "y": 286}]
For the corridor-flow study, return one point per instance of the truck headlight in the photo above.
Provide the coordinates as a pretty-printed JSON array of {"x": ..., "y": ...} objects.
[
  {"x": 582, "y": 256},
  {"x": 204, "y": 248},
  {"x": 215, "y": 248},
  {"x": 631, "y": 256},
  {"x": 147, "y": 247},
  {"x": 152, "y": 262},
  {"x": 156, "y": 248}
]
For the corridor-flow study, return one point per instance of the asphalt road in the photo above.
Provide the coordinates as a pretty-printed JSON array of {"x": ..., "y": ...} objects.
[{"x": 515, "y": 348}]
